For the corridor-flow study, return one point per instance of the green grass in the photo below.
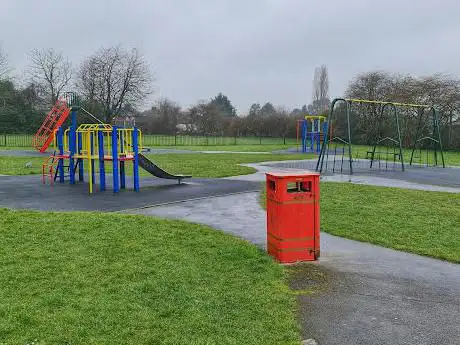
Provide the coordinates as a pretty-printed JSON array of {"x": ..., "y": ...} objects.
[
  {"x": 234, "y": 148},
  {"x": 12, "y": 165},
  {"x": 196, "y": 164},
  {"x": 90, "y": 278},
  {"x": 420, "y": 222}
]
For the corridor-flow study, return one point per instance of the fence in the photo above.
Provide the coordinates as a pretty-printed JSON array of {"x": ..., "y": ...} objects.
[
  {"x": 25, "y": 140},
  {"x": 16, "y": 140}
]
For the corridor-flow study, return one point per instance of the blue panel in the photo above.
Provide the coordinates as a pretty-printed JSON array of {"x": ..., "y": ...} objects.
[
  {"x": 60, "y": 143},
  {"x": 121, "y": 141},
  {"x": 81, "y": 172},
  {"x": 72, "y": 145},
  {"x": 116, "y": 186},
  {"x": 93, "y": 173},
  {"x": 304, "y": 135},
  {"x": 136, "y": 160},
  {"x": 101, "y": 160}
]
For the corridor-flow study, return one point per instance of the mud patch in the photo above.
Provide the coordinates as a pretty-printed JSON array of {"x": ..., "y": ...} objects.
[{"x": 308, "y": 278}]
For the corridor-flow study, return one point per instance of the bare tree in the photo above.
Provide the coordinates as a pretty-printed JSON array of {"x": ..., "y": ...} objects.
[
  {"x": 321, "y": 89},
  {"x": 207, "y": 117},
  {"x": 113, "y": 77},
  {"x": 51, "y": 71},
  {"x": 3, "y": 64}
]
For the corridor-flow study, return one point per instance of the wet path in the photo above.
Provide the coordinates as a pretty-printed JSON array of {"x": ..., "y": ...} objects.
[{"x": 372, "y": 295}]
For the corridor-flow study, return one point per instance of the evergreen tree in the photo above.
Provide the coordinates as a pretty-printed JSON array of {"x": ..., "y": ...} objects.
[{"x": 224, "y": 105}]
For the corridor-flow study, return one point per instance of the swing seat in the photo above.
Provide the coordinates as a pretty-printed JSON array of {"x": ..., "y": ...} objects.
[{"x": 396, "y": 155}]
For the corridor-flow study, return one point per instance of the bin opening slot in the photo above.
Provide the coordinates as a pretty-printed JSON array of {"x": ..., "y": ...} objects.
[{"x": 299, "y": 187}]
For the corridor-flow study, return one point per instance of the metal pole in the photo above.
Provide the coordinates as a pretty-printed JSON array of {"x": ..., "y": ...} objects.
[
  {"x": 72, "y": 146},
  {"x": 122, "y": 163},
  {"x": 93, "y": 170},
  {"x": 136, "y": 159},
  {"x": 81, "y": 172},
  {"x": 325, "y": 146},
  {"x": 60, "y": 142},
  {"x": 116, "y": 186},
  {"x": 349, "y": 138},
  {"x": 399, "y": 137},
  {"x": 441, "y": 150},
  {"x": 100, "y": 135}
]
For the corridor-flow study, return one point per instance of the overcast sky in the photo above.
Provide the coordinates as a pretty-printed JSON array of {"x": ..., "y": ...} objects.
[{"x": 252, "y": 51}]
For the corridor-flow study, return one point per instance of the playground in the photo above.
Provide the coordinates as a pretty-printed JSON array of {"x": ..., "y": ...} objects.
[{"x": 185, "y": 280}]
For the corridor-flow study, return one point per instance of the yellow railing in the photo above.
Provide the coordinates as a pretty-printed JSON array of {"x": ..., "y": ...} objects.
[
  {"x": 90, "y": 142},
  {"x": 315, "y": 117}
]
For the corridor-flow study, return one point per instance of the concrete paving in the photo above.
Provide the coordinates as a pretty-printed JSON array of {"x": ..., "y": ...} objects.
[
  {"x": 23, "y": 153},
  {"x": 373, "y": 295}
]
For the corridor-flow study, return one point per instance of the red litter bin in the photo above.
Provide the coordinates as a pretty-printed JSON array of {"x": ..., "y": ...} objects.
[{"x": 293, "y": 216}]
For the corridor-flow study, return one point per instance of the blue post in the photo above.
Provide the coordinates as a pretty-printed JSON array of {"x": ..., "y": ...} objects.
[
  {"x": 100, "y": 135},
  {"x": 312, "y": 136},
  {"x": 325, "y": 129},
  {"x": 116, "y": 187},
  {"x": 93, "y": 173},
  {"x": 136, "y": 159},
  {"x": 72, "y": 145},
  {"x": 122, "y": 164},
  {"x": 81, "y": 172},
  {"x": 304, "y": 135},
  {"x": 318, "y": 136},
  {"x": 60, "y": 143}
]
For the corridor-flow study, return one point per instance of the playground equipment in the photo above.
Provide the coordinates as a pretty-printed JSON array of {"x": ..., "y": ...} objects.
[
  {"x": 386, "y": 149},
  {"x": 94, "y": 143},
  {"x": 311, "y": 131},
  {"x": 55, "y": 119}
]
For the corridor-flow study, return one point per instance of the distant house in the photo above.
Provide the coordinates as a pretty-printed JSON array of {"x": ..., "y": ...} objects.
[{"x": 186, "y": 128}]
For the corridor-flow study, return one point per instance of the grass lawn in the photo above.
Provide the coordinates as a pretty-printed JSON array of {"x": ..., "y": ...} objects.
[
  {"x": 420, "y": 222},
  {"x": 91, "y": 278},
  {"x": 196, "y": 164},
  {"x": 234, "y": 148}
]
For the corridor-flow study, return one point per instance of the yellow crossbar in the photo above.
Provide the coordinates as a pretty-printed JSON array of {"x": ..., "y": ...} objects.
[
  {"x": 315, "y": 117},
  {"x": 356, "y": 100},
  {"x": 94, "y": 127}
]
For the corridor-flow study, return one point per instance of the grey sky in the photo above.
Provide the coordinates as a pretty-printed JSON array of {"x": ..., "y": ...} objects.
[{"x": 252, "y": 51}]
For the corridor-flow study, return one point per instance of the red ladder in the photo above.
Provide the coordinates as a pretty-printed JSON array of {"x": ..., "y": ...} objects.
[{"x": 55, "y": 118}]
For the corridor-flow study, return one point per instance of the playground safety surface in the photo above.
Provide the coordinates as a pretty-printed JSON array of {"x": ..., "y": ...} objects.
[
  {"x": 437, "y": 176},
  {"x": 27, "y": 192}
]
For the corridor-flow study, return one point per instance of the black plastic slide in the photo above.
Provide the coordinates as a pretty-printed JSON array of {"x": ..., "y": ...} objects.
[{"x": 156, "y": 171}]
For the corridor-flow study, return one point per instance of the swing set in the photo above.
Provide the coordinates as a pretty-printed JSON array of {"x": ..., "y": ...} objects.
[{"x": 384, "y": 132}]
